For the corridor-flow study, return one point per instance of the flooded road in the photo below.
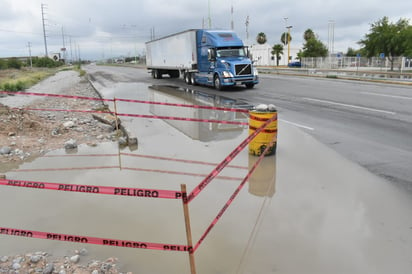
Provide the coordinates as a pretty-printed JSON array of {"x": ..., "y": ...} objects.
[{"x": 305, "y": 210}]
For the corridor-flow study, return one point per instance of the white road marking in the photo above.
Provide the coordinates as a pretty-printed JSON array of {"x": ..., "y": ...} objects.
[
  {"x": 350, "y": 106},
  {"x": 391, "y": 96},
  {"x": 297, "y": 125}
]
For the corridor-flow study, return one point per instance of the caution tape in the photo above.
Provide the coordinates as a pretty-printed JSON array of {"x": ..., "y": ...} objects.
[
  {"x": 140, "y": 116},
  {"x": 182, "y": 119},
  {"x": 227, "y": 178},
  {"x": 64, "y": 168},
  {"x": 57, "y": 95},
  {"x": 126, "y": 100},
  {"x": 66, "y": 110},
  {"x": 118, "y": 191},
  {"x": 265, "y": 130},
  {"x": 227, "y": 160},
  {"x": 262, "y": 119},
  {"x": 184, "y": 105},
  {"x": 143, "y": 156},
  {"x": 178, "y": 160},
  {"x": 180, "y": 173},
  {"x": 92, "y": 240},
  {"x": 232, "y": 197}
]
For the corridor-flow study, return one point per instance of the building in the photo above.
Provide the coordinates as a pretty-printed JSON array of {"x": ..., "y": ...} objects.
[{"x": 262, "y": 55}]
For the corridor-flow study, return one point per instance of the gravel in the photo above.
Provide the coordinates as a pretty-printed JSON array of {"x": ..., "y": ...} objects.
[
  {"x": 43, "y": 262},
  {"x": 26, "y": 133}
]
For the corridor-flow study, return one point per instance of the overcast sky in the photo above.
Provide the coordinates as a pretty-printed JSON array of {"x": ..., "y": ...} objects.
[{"x": 101, "y": 29}]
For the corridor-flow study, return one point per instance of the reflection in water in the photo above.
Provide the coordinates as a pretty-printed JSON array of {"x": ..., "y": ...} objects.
[
  {"x": 263, "y": 180},
  {"x": 202, "y": 131}
]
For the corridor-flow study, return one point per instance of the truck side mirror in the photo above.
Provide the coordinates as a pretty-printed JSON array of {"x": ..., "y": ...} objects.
[{"x": 211, "y": 56}]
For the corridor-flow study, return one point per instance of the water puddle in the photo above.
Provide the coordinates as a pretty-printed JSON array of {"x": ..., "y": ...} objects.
[{"x": 303, "y": 210}]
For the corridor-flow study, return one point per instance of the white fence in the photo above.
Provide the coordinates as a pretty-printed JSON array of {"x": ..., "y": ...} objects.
[{"x": 357, "y": 63}]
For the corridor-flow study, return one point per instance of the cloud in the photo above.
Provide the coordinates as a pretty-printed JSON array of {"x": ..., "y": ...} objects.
[{"x": 100, "y": 28}]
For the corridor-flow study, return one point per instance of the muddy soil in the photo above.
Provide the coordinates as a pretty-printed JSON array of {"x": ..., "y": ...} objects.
[{"x": 26, "y": 133}]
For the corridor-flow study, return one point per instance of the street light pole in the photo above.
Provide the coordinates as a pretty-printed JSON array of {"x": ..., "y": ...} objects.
[
  {"x": 286, "y": 24},
  {"x": 289, "y": 27}
]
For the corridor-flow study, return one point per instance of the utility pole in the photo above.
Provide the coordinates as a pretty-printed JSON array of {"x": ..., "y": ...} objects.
[
  {"x": 64, "y": 47},
  {"x": 331, "y": 36},
  {"x": 31, "y": 62},
  {"x": 71, "y": 50},
  {"x": 247, "y": 29},
  {"x": 232, "y": 24},
  {"x": 152, "y": 33},
  {"x": 209, "y": 18},
  {"x": 43, "y": 6}
]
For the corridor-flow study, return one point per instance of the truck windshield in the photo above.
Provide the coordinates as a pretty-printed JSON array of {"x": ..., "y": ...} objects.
[{"x": 230, "y": 52}]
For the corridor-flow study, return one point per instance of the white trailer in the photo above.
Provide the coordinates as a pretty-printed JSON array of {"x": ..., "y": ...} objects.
[{"x": 172, "y": 54}]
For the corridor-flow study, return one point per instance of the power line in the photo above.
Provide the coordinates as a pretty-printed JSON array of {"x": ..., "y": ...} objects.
[{"x": 22, "y": 32}]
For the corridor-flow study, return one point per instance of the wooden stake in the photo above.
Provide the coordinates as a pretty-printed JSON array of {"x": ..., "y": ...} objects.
[
  {"x": 188, "y": 229},
  {"x": 117, "y": 130},
  {"x": 115, "y": 116}
]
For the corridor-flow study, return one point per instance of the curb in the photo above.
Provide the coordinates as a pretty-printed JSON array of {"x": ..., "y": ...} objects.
[{"x": 131, "y": 141}]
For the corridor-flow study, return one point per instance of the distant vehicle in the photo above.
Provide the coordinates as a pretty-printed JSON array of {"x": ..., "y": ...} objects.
[
  {"x": 295, "y": 64},
  {"x": 214, "y": 58}
]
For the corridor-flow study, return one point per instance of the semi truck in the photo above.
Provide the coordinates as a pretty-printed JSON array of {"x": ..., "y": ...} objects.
[{"x": 216, "y": 58}]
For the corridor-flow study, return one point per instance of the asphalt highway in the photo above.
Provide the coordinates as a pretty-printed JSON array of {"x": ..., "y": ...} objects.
[{"x": 368, "y": 123}]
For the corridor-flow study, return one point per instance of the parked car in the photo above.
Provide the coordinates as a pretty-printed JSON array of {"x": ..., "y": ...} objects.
[{"x": 295, "y": 64}]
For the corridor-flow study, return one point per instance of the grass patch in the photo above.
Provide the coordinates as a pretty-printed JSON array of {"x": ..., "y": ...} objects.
[
  {"x": 21, "y": 79},
  {"x": 18, "y": 80}
]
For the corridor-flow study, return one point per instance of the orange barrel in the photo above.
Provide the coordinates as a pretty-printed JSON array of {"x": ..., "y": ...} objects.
[{"x": 268, "y": 136}]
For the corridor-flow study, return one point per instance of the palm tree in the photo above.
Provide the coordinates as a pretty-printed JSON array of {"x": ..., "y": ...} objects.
[
  {"x": 277, "y": 50},
  {"x": 261, "y": 38},
  {"x": 285, "y": 38}
]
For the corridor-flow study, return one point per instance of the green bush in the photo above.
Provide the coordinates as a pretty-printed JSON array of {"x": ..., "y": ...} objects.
[
  {"x": 45, "y": 62},
  {"x": 14, "y": 63},
  {"x": 18, "y": 86},
  {"x": 3, "y": 64}
]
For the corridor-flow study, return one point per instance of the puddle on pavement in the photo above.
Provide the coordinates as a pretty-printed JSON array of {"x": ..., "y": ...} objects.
[{"x": 301, "y": 211}]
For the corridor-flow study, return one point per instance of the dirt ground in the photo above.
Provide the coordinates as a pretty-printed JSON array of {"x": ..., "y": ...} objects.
[
  {"x": 26, "y": 134},
  {"x": 30, "y": 133}
]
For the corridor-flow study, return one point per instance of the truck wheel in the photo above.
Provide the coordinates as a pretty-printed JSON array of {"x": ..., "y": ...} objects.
[
  {"x": 193, "y": 79},
  {"x": 250, "y": 85},
  {"x": 188, "y": 78},
  {"x": 157, "y": 74},
  {"x": 217, "y": 83}
]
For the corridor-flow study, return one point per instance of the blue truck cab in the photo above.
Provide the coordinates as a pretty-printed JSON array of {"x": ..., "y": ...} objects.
[{"x": 223, "y": 61}]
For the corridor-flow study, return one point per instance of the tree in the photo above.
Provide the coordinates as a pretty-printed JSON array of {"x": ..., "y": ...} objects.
[
  {"x": 407, "y": 38},
  {"x": 391, "y": 39},
  {"x": 352, "y": 52},
  {"x": 14, "y": 63},
  {"x": 45, "y": 62},
  {"x": 277, "y": 50},
  {"x": 309, "y": 34},
  {"x": 300, "y": 55},
  {"x": 261, "y": 38},
  {"x": 313, "y": 47},
  {"x": 286, "y": 38}
]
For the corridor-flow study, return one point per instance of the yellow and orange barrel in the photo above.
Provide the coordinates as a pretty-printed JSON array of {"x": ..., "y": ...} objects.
[
  {"x": 262, "y": 181},
  {"x": 268, "y": 136}
]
